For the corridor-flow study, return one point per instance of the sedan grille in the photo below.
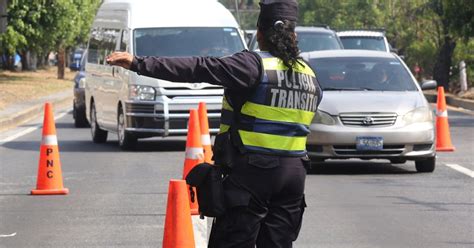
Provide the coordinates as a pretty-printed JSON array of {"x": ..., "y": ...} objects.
[
  {"x": 352, "y": 150},
  {"x": 368, "y": 119}
]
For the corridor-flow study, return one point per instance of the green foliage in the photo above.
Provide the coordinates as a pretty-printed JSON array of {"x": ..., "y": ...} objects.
[{"x": 42, "y": 26}]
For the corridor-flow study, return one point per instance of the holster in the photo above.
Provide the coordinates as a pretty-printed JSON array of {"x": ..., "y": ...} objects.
[{"x": 208, "y": 180}]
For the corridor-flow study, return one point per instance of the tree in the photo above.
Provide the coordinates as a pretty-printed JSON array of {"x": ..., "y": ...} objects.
[
  {"x": 42, "y": 26},
  {"x": 454, "y": 22}
]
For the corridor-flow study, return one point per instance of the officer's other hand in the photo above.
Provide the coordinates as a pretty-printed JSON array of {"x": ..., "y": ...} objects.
[{"x": 122, "y": 59}]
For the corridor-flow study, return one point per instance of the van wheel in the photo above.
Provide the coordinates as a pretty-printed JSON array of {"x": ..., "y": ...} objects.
[
  {"x": 427, "y": 165},
  {"x": 80, "y": 119},
  {"x": 127, "y": 140},
  {"x": 98, "y": 135}
]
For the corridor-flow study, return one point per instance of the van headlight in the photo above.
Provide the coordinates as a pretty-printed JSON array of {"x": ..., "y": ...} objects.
[
  {"x": 421, "y": 114},
  {"x": 141, "y": 93},
  {"x": 324, "y": 118}
]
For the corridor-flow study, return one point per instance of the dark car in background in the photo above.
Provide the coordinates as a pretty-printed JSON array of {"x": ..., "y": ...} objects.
[
  {"x": 79, "y": 105},
  {"x": 76, "y": 59},
  {"x": 365, "y": 40},
  {"x": 311, "y": 39}
]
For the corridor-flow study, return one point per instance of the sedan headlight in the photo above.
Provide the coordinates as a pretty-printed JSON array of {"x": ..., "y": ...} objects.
[
  {"x": 324, "y": 118},
  {"x": 82, "y": 83},
  {"x": 142, "y": 93},
  {"x": 422, "y": 114}
]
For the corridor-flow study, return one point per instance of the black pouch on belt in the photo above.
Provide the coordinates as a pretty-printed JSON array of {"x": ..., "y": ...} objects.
[{"x": 208, "y": 180}]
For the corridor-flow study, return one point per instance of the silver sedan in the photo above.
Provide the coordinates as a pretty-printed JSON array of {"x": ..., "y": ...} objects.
[{"x": 372, "y": 108}]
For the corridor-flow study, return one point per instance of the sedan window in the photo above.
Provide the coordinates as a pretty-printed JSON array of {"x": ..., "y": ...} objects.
[{"x": 362, "y": 73}]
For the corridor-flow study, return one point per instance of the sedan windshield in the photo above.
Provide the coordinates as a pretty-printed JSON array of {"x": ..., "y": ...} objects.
[
  {"x": 183, "y": 42},
  {"x": 364, "y": 43},
  {"x": 362, "y": 73}
]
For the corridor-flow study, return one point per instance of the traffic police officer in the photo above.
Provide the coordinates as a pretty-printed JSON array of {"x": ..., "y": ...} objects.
[{"x": 270, "y": 99}]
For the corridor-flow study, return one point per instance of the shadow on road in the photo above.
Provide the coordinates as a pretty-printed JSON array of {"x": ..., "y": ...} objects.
[
  {"x": 357, "y": 168},
  {"x": 111, "y": 146}
]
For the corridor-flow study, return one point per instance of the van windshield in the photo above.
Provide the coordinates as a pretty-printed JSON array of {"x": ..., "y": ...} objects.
[{"x": 183, "y": 42}]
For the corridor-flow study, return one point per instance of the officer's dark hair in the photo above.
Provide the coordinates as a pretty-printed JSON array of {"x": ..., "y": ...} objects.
[{"x": 281, "y": 42}]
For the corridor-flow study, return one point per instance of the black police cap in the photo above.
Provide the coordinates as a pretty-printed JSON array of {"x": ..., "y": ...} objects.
[{"x": 272, "y": 11}]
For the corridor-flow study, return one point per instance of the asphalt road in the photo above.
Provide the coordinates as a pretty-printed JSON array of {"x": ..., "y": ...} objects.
[{"x": 118, "y": 199}]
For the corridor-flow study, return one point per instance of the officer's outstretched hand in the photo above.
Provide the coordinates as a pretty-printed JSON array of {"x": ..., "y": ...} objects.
[{"x": 122, "y": 59}]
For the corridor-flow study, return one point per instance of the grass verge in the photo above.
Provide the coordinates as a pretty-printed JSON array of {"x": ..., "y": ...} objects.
[{"x": 24, "y": 86}]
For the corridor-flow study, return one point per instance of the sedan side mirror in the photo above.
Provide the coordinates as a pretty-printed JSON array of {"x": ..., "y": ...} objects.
[{"x": 429, "y": 85}]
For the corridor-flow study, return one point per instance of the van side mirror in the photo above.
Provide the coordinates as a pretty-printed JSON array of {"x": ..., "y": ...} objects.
[
  {"x": 429, "y": 85},
  {"x": 394, "y": 50}
]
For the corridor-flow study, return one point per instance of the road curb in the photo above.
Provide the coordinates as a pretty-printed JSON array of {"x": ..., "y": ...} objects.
[
  {"x": 20, "y": 113},
  {"x": 451, "y": 100}
]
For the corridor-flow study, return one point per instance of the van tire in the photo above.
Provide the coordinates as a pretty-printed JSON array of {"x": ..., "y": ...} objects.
[
  {"x": 127, "y": 141},
  {"x": 427, "y": 165},
  {"x": 98, "y": 135}
]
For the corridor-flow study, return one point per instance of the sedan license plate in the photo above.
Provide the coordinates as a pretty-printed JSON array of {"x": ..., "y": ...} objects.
[{"x": 369, "y": 143}]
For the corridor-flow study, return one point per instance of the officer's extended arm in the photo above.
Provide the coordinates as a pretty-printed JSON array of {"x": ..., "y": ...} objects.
[{"x": 239, "y": 71}]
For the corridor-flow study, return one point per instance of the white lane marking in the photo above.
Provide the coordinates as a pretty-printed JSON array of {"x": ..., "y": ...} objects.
[
  {"x": 19, "y": 134},
  {"x": 200, "y": 231},
  {"x": 7, "y": 235},
  {"x": 461, "y": 169},
  {"x": 30, "y": 129}
]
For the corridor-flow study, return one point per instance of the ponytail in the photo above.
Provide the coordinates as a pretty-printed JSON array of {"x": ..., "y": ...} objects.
[{"x": 281, "y": 42}]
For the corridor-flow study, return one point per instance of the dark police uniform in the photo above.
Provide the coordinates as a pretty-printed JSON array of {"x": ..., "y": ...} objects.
[{"x": 266, "y": 112}]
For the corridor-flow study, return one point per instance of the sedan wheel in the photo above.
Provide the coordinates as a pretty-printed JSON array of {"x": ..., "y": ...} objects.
[
  {"x": 79, "y": 117},
  {"x": 427, "y": 165}
]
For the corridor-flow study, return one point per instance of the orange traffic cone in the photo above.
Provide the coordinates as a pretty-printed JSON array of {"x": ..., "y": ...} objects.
[
  {"x": 50, "y": 180},
  {"x": 443, "y": 136},
  {"x": 178, "y": 224},
  {"x": 194, "y": 153},
  {"x": 205, "y": 137}
]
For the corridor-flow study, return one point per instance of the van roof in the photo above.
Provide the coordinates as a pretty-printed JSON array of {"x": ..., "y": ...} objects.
[{"x": 171, "y": 13}]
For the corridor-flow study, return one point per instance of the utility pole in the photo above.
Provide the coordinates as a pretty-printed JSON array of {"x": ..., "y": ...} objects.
[
  {"x": 3, "y": 15},
  {"x": 237, "y": 13}
]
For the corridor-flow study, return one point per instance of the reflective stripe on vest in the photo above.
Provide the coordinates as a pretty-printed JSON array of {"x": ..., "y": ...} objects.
[
  {"x": 227, "y": 116},
  {"x": 276, "y": 118}
]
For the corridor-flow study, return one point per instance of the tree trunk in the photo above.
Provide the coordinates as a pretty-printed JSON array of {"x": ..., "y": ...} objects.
[
  {"x": 25, "y": 62},
  {"x": 61, "y": 62},
  {"x": 41, "y": 61},
  {"x": 443, "y": 63}
]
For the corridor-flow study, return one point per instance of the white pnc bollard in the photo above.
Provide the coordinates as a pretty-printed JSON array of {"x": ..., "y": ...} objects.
[{"x": 462, "y": 76}]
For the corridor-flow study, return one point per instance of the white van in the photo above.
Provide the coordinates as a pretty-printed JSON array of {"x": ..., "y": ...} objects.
[{"x": 133, "y": 106}]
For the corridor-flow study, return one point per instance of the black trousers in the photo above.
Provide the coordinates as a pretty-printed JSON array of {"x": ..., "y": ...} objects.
[{"x": 265, "y": 203}]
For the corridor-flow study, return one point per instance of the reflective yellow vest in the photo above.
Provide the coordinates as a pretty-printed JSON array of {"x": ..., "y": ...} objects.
[{"x": 275, "y": 119}]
